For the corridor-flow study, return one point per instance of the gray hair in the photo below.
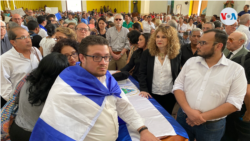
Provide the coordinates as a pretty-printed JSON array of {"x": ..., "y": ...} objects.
[
  {"x": 3, "y": 22},
  {"x": 196, "y": 29},
  {"x": 172, "y": 23},
  {"x": 243, "y": 36},
  {"x": 244, "y": 18},
  {"x": 29, "y": 18},
  {"x": 211, "y": 23},
  {"x": 12, "y": 25},
  {"x": 11, "y": 34},
  {"x": 118, "y": 15}
]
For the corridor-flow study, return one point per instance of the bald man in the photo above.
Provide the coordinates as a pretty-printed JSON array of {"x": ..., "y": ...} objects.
[
  {"x": 18, "y": 19},
  {"x": 82, "y": 31},
  {"x": 244, "y": 27}
]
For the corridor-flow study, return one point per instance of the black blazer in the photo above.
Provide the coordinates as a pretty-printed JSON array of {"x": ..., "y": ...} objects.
[{"x": 146, "y": 70}]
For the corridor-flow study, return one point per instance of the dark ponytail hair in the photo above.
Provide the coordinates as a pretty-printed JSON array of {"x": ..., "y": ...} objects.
[{"x": 42, "y": 78}]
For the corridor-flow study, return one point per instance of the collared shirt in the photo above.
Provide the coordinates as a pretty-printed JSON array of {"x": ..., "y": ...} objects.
[
  {"x": 147, "y": 27},
  {"x": 25, "y": 27},
  {"x": 42, "y": 27},
  {"x": 186, "y": 53},
  {"x": 108, "y": 121},
  {"x": 162, "y": 78},
  {"x": 182, "y": 28},
  {"x": 5, "y": 44},
  {"x": 191, "y": 27},
  {"x": 118, "y": 40},
  {"x": 71, "y": 21},
  {"x": 129, "y": 25},
  {"x": 245, "y": 29},
  {"x": 235, "y": 52},
  {"x": 14, "y": 67},
  {"x": 207, "y": 88}
]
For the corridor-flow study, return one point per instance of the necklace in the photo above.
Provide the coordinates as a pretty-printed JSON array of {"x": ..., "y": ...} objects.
[{"x": 162, "y": 56}]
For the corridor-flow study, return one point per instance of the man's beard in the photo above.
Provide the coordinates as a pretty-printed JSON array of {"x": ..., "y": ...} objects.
[{"x": 207, "y": 55}]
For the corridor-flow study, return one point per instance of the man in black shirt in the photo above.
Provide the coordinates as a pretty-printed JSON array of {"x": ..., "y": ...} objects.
[
  {"x": 190, "y": 50},
  {"x": 33, "y": 27}
]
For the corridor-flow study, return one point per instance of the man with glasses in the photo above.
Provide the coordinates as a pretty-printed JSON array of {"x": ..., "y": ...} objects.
[
  {"x": 118, "y": 43},
  {"x": 207, "y": 26},
  {"x": 209, "y": 88},
  {"x": 82, "y": 31},
  {"x": 20, "y": 60},
  {"x": 18, "y": 19},
  {"x": 190, "y": 50},
  {"x": 235, "y": 45},
  {"x": 244, "y": 27},
  {"x": 90, "y": 91},
  {"x": 231, "y": 28}
]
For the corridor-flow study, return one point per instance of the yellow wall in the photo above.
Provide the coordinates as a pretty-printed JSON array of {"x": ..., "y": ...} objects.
[
  {"x": 28, "y": 4},
  {"x": 138, "y": 6},
  {"x": 95, "y": 4},
  {"x": 51, "y": 4},
  {"x": 121, "y": 6}
]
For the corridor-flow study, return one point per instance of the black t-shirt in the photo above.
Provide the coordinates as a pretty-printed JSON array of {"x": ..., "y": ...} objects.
[
  {"x": 186, "y": 53},
  {"x": 36, "y": 39}
]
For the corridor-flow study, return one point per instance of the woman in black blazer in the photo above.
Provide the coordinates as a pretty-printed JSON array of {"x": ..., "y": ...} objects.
[{"x": 160, "y": 65}]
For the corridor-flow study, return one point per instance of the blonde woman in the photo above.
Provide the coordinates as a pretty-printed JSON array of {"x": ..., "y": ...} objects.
[
  {"x": 157, "y": 23},
  {"x": 159, "y": 67},
  {"x": 64, "y": 32}
]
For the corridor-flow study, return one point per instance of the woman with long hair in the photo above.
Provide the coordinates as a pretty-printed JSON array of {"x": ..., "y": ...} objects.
[
  {"x": 34, "y": 93},
  {"x": 101, "y": 28},
  {"x": 135, "y": 59},
  {"x": 160, "y": 65},
  {"x": 133, "y": 37},
  {"x": 190, "y": 25}
]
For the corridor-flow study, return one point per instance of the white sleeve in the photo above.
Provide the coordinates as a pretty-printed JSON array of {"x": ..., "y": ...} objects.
[
  {"x": 127, "y": 112},
  {"x": 6, "y": 85},
  {"x": 238, "y": 89}
]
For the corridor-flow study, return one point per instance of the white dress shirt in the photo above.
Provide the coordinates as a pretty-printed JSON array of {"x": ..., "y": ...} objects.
[
  {"x": 191, "y": 27},
  {"x": 106, "y": 127},
  {"x": 147, "y": 27},
  {"x": 42, "y": 33},
  {"x": 235, "y": 52},
  {"x": 182, "y": 28},
  {"x": 47, "y": 44},
  {"x": 162, "y": 77},
  {"x": 208, "y": 88},
  {"x": 14, "y": 67},
  {"x": 245, "y": 29}
]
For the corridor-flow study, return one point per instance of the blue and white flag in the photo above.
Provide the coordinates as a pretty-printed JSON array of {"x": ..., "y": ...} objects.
[{"x": 67, "y": 114}]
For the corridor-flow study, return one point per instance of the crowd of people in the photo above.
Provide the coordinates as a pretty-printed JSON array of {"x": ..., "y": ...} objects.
[{"x": 204, "y": 66}]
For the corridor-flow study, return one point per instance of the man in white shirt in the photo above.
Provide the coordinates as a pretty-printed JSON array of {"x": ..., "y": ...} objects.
[
  {"x": 17, "y": 19},
  {"x": 147, "y": 24},
  {"x": 101, "y": 94},
  {"x": 18, "y": 61},
  {"x": 236, "y": 45},
  {"x": 209, "y": 88},
  {"x": 244, "y": 27}
]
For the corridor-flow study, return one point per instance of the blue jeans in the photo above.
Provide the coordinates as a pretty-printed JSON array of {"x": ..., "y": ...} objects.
[{"x": 208, "y": 131}]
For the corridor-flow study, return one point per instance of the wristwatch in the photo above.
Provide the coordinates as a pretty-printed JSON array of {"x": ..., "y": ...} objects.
[{"x": 121, "y": 54}]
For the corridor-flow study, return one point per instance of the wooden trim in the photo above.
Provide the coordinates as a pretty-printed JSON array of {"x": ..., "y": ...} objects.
[{"x": 66, "y": 6}]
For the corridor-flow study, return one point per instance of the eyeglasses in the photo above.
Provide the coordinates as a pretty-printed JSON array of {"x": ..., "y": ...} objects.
[
  {"x": 118, "y": 19},
  {"x": 81, "y": 29},
  {"x": 25, "y": 37},
  {"x": 74, "y": 55},
  {"x": 99, "y": 58},
  {"x": 205, "y": 43}
]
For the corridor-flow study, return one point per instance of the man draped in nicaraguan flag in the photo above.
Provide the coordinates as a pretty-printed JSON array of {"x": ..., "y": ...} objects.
[{"x": 85, "y": 101}]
